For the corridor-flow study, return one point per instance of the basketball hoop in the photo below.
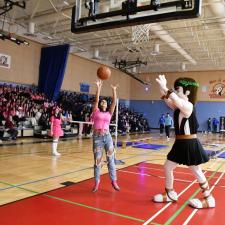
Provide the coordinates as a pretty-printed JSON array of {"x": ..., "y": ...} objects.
[{"x": 141, "y": 33}]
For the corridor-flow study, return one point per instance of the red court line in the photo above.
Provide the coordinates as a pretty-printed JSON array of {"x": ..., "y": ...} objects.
[{"x": 134, "y": 200}]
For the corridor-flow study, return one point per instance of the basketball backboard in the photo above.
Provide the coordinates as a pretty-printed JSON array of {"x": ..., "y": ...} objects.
[{"x": 93, "y": 15}]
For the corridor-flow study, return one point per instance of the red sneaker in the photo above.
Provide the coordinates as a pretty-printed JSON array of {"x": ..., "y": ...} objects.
[
  {"x": 115, "y": 185},
  {"x": 95, "y": 188}
]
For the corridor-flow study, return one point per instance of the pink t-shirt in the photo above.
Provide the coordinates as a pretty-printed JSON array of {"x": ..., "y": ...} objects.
[
  {"x": 101, "y": 120},
  {"x": 56, "y": 126}
]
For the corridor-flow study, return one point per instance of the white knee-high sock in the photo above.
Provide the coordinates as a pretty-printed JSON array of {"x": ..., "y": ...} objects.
[
  {"x": 54, "y": 147},
  {"x": 169, "y": 166}
]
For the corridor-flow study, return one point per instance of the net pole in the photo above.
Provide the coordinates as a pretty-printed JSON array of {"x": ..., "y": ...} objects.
[
  {"x": 117, "y": 162},
  {"x": 116, "y": 130}
]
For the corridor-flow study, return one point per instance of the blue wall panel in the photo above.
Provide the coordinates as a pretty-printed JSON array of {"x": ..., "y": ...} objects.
[
  {"x": 153, "y": 109},
  {"x": 209, "y": 109}
]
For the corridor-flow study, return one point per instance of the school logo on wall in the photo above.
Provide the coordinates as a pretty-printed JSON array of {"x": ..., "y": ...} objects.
[
  {"x": 217, "y": 89},
  {"x": 5, "y": 61}
]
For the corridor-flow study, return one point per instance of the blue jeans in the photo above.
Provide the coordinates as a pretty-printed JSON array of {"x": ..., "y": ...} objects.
[{"x": 101, "y": 142}]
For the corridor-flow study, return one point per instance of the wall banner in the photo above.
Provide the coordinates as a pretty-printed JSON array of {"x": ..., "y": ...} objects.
[
  {"x": 84, "y": 87},
  {"x": 5, "y": 61},
  {"x": 217, "y": 89}
]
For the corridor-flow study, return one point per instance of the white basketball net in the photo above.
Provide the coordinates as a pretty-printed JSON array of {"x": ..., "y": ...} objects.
[{"x": 141, "y": 33}]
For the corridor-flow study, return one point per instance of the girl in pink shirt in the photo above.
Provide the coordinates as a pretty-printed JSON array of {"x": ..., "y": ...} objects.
[{"x": 102, "y": 138}]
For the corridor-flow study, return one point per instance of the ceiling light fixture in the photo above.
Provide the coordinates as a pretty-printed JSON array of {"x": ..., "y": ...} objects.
[
  {"x": 31, "y": 27},
  {"x": 96, "y": 54},
  {"x": 156, "y": 50},
  {"x": 183, "y": 66}
]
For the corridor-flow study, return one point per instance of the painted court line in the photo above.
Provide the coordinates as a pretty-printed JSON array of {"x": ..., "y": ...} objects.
[
  {"x": 170, "y": 220},
  {"x": 142, "y": 154},
  {"x": 151, "y": 175},
  {"x": 52, "y": 177},
  {"x": 144, "y": 174},
  {"x": 151, "y": 168},
  {"x": 168, "y": 204},
  {"x": 47, "y": 178},
  {"x": 24, "y": 189},
  {"x": 195, "y": 210},
  {"x": 96, "y": 209},
  {"x": 77, "y": 204},
  {"x": 60, "y": 158}
]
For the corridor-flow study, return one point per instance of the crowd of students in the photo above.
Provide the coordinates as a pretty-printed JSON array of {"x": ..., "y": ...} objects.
[{"x": 23, "y": 105}]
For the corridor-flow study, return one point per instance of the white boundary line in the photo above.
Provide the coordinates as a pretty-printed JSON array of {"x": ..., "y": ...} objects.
[
  {"x": 168, "y": 204},
  {"x": 149, "y": 175},
  {"x": 195, "y": 210},
  {"x": 163, "y": 170},
  {"x": 177, "y": 171}
]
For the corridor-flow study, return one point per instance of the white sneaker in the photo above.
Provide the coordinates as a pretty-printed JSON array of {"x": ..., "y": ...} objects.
[
  {"x": 56, "y": 153},
  {"x": 208, "y": 202},
  {"x": 165, "y": 198}
]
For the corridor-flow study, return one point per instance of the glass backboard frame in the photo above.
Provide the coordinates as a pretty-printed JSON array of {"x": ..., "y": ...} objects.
[{"x": 89, "y": 24}]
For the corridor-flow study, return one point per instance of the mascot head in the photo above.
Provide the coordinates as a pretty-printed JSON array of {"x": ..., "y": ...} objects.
[{"x": 190, "y": 88}]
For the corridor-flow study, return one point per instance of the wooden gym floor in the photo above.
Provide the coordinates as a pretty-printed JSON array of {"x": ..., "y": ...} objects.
[{"x": 28, "y": 169}]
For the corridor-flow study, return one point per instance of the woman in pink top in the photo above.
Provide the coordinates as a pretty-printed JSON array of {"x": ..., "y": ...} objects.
[
  {"x": 102, "y": 138},
  {"x": 56, "y": 130}
]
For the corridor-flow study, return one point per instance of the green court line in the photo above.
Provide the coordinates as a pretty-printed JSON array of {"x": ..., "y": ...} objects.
[
  {"x": 15, "y": 186},
  {"x": 155, "y": 223},
  {"x": 97, "y": 209},
  {"x": 46, "y": 178},
  {"x": 78, "y": 204},
  {"x": 52, "y": 177},
  {"x": 192, "y": 196}
]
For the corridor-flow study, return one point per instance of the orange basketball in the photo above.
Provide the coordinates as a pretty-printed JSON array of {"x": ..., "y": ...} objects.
[{"x": 103, "y": 72}]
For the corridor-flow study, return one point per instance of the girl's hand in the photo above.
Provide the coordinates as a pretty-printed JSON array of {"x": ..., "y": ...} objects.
[
  {"x": 114, "y": 87},
  {"x": 99, "y": 83}
]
